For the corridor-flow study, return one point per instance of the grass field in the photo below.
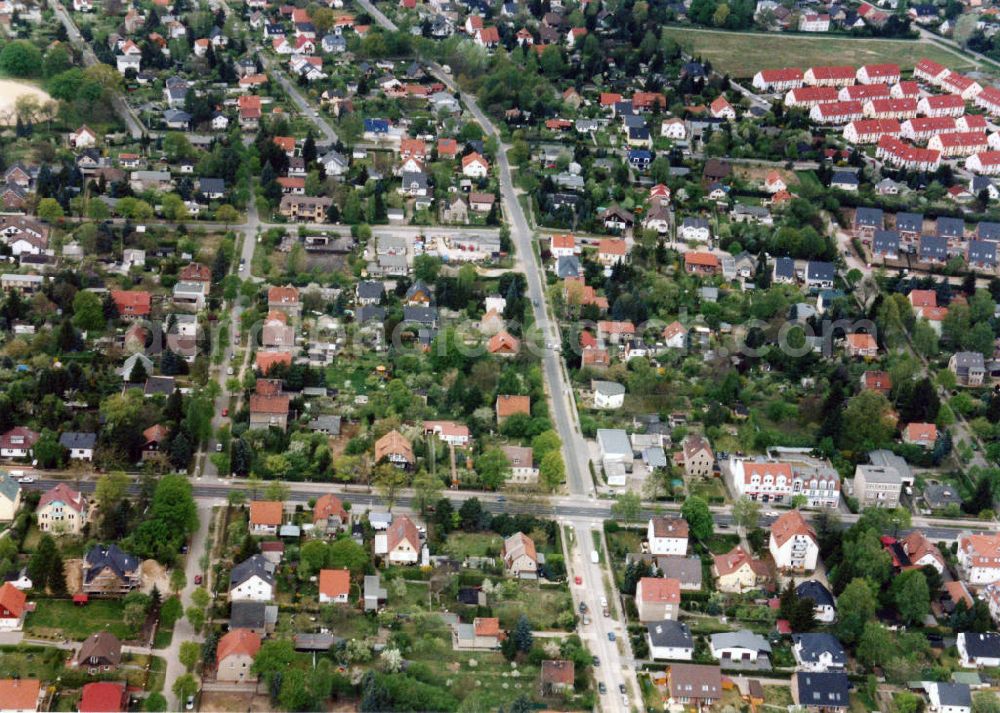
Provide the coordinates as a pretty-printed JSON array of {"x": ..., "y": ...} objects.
[
  {"x": 743, "y": 54},
  {"x": 54, "y": 616}
]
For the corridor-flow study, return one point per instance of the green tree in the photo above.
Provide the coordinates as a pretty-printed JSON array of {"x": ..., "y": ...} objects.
[
  {"x": 196, "y": 617},
  {"x": 227, "y": 214},
  {"x": 426, "y": 267},
  {"x": 110, "y": 490},
  {"x": 627, "y": 506},
  {"x": 345, "y": 553},
  {"x": 49, "y": 210},
  {"x": 155, "y": 703},
  {"x": 45, "y": 568},
  {"x": 874, "y": 643},
  {"x": 523, "y": 638},
  {"x": 552, "y": 470},
  {"x": 389, "y": 480},
  {"x": 867, "y": 422},
  {"x": 911, "y": 596},
  {"x": 746, "y": 513},
  {"x": 178, "y": 580},
  {"x": 855, "y": 608},
  {"x": 699, "y": 518},
  {"x": 493, "y": 468},
  {"x": 544, "y": 443},
  {"x": 88, "y": 311},
  {"x": 20, "y": 58},
  {"x": 189, "y": 654},
  {"x": 426, "y": 490},
  {"x": 200, "y": 597},
  {"x": 185, "y": 686},
  {"x": 275, "y": 656}
]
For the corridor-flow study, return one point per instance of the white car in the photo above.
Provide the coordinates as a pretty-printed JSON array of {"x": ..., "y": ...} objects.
[{"x": 26, "y": 479}]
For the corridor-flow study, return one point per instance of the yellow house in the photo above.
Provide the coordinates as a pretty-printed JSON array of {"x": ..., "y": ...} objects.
[
  {"x": 737, "y": 571},
  {"x": 10, "y": 497}
]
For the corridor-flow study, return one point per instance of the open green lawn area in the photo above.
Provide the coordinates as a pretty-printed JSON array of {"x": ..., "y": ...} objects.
[
  {"x": 54, "y": 616},
  {"x": 473, "y": 544},
  {"x": 482, "y": 675},
  {"x": 31, "y": 662},
  {"x": 778, "y": 696},
  {"x": 541, "y": 604},
  {"x": 743, "y": 54}
]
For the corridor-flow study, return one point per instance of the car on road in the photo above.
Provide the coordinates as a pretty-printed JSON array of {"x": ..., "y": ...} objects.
[
  {"x": 218, "y": 448},
  {"x": 189, "y": 706},
  {"x": 578, "y": 579},
  {"x": 225, "y": 412},
  {"x": 611, "y": 636},
  {"x": 583, "y": 607},
  {"x": 596, "y": 661},
  {"x": 197, "y": 579},
  {"x": 602, "y": 688},
  {"x": 229, "y": 371},
  {"x": 501, "y": 499},
  {"x": 26, "y": 479},
  {"x": 621, "y": 688}
]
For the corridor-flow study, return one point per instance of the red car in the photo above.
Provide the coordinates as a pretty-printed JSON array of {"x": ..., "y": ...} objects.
[
  {"x": 197, "y": 579},
  {"x": 578, "y": 580},
  {"x": 225, "y": 412}
]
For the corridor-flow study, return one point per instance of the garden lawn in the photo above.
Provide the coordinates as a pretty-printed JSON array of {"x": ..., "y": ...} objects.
[
  {"x": 31, "y": 662},
  {"x": 542, "y": 606},
  {"x": 54, "y": 616},
  {"x": 473, "y": 544},
  {"x": 743, "y": 54}
]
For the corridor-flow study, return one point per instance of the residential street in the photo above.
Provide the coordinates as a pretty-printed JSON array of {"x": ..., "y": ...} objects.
[{"x": 183, "y": 631}]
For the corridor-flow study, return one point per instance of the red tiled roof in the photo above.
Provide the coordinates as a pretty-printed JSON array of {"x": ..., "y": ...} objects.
[
  {"x": 334, "y": 582},
  {"x": 103, "y": 697},
  {"x": 242, "y": 642},
  {"x": 266, "y": 512}
]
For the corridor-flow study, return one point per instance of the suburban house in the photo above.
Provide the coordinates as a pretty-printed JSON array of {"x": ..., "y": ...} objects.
[
  {"x": 740, "y": 648},
  {"x": 508, "y": 405},
  {"x": 104, "y": 696},
  {"x": 395, "y": 448},
  {"x": 738, "y": 571},
  {"x": 17, "y": 442},
  {"x": 694, "y": 685},
  {"x": 557, "y": 677},
  {"x": 520, "y": 559},
  {"x": 949, "y": 697},
  {"x": 657, "y": 599},
  {"x": 266, "y": 517},
  {"x": 329, "y": 515},
  {"x": 400, "y": 543},
  {"x": 877, "y": 486},
  {"x": 968, "y": 367},
  {"x": 79, "y": 445},
  {"x": 334, "y": 586},
  {"x": 818, "y": 652},
  {"x": 697, "y": 455},
  {"x": 669, "y": 640},
  {"x": 234, "y": 655},
  {"x": 13, "y": 607},
  {"x": 522, "y": 465},
  {"x": 252, "y": 580},
  {"x": 667, "y": 536},
  {"x": 793, "y": 543},
  {"x": 10, "y": 497},
  {"x": 979, "y": 650},
  {"x": 823, "y": 602},
  {"x": 825, "y": 692},
  {"x": 99, "y": 652},
  {"x": 979, "y": 557},
  {"x": 483, "y": 634},
  {"x": 62, "y": 510},
  {"x": 108, "y": 570}
]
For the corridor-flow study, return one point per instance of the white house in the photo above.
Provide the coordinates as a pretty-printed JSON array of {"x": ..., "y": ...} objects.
[
  {"x": 979, "y": 650},
  {"x": 739, "y": 647},
  {"x": 334, "y": 586},
  {"x": 608, "y": 394},
  {"x": 979, "y": 557},
  {"x": 669, "y": 641},
  {"x": 949, "y": 697},
  {"x": 793, "y": 543},
  {"x": 674, "y": 129},
  {"x": 252, "y": 580},
  {"x": 475, "y": 166},
  {"x": 667, "y": 536}
]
